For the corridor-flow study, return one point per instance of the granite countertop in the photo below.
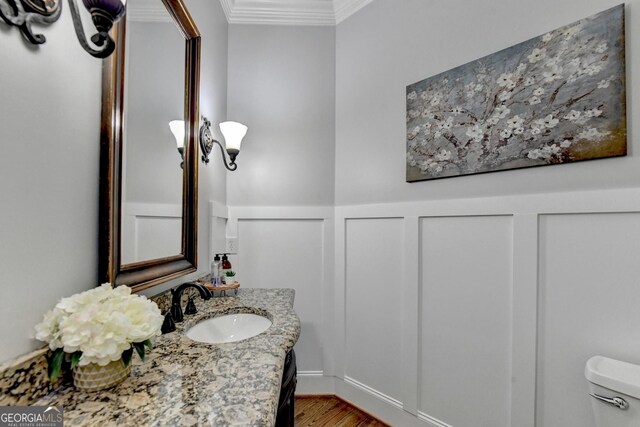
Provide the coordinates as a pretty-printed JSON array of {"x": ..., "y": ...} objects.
[{"x": 187, "y": 383}]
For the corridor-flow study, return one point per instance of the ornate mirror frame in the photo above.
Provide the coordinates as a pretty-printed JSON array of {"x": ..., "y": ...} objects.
[{"x": 145, "y": 274}]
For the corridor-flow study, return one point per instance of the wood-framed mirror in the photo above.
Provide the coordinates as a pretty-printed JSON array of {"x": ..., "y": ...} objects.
[{"x": 130, "y": 158}]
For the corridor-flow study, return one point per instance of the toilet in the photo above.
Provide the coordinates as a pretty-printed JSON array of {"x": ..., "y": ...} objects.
[{"x": 614, "y": 389}]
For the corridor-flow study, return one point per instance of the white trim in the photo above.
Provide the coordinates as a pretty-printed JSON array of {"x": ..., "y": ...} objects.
[
  {"x": 434, "y": 422},
  {"x": 227, "y": 7},
  {"x": 280, "y": 212},
  {"x": 153, "y": 210},
  {"x": 373, "y": 391},
  {"x": 216, "y": 242},
  {"x": 340, "y": 295},
  {"x": 524, "y": 319},
  {"x": 311, "y": 384},
  {"x": 345, "y": 8},
  {"x": 328, "y": 319},
  {"x": 411, "y": 315},
  {"x": 380, "y": 409},
  {"x": 525, "y": 211},
  {"x": 148, "y": 13},
  {"x": 218, "y": 209},
  {"x": 291, "y": 12},
  {"x": 618, "y": 200},
  {"x": 323, "y": 215},
  {"x": 281, "y": 17},
  {"x": 133, "y": 213},
  {"x": 311, "y": 373},
  {"x": 360, "y": 396}
]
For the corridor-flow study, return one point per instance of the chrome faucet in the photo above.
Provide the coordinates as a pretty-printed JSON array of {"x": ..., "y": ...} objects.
[{"x": 176, "y": 308}]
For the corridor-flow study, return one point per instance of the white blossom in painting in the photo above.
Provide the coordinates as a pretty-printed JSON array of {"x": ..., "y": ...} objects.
[{"x": 553, "y": 99}]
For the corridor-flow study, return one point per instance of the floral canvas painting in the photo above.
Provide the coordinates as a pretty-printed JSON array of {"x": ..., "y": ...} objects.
[{"x": 556, "y": 98}]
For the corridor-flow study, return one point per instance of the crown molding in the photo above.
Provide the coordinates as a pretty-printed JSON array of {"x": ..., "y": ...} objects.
[
  {"x": 290, "y": 12},
  {"x": 142, "y": 12},
  {"x": 345, "y": 8}
]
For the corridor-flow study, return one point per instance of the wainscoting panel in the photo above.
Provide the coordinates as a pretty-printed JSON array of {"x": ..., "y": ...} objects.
[
  {"x": 158, "y": 237},
  {"x": 373, "y": 316},
  {"x": 466, "y": 300},
  {"x": 589, "y": 305},
  {"x": 288, "y": 253},
  {"x": 151, "y": 231},
  {"x": 458, "y": 313}
]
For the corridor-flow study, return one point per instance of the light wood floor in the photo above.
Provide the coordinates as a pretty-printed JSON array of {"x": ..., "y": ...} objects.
[{"x": 330, "y": 411}]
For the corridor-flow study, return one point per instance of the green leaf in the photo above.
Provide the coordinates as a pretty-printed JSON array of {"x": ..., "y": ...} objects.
[
  {"x": 126, "y": 356},
  {"x": 55, "y": 364},
  {"x": 139, "y": 349},
  {"x": 75, "y": 359},
  {"x": 148, "y": 344}
]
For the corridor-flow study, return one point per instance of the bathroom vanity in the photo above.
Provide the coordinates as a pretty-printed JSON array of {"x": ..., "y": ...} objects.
[{"x": 185, "y": 382}]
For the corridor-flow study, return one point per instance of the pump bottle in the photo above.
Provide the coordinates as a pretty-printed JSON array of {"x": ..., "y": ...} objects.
[
  {"x": 215, "y": 271},
  {"x": 226, "y": 266}
]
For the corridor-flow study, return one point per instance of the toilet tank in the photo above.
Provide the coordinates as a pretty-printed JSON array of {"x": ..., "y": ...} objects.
[{"x": 614, "y": 388}]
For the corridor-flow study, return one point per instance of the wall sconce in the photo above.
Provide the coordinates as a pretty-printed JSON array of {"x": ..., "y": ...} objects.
[
  {"x": 233, "y": 133},
  {"x": 104, "y": 13},
  {"x": 177, "y": 128}
]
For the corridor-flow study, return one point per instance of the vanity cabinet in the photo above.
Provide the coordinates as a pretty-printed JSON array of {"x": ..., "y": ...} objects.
[
  {"x": 286, "y": 403},
  {"x": 227, "y": 368}
]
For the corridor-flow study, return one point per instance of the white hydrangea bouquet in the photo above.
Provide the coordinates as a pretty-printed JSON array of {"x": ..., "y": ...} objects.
[{"x": 99, "y": 327}]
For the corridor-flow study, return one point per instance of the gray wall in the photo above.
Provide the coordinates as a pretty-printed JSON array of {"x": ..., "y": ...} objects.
[
  {"x": 212, "y": 23},
  {"x": 50, "y": 133},
  {"x": 281, "y": 84},
  {"x": 390, "y": 44}
]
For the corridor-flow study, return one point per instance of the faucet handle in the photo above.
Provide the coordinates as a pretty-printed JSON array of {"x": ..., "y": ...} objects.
[
  {"x": 168, "y": 325},
  {"x": 176, "y": 311},
  {"x": 191, "y": 306}
]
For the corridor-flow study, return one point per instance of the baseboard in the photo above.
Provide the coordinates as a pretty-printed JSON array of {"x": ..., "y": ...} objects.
[
  {"x": 431, "y": 421},
  {"x": 387, "y": 399},
  {"x": 311, "y": 383},
  {"x": 315, "y": 384}
]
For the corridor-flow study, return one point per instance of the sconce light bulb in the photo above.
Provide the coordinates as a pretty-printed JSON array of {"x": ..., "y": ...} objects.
[
  {"x": 233, "y": 133},
  {"x": 177, "y": 128}
]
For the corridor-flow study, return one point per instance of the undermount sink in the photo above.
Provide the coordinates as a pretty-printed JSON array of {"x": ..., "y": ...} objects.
[{"x": 229, "y": 328}]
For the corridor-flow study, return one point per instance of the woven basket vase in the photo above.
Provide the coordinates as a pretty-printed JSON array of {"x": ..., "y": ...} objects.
[{"x": 93, "y": 377}]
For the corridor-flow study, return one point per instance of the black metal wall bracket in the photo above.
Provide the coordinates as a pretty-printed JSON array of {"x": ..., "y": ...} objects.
[{"x": 23, "y": 13}]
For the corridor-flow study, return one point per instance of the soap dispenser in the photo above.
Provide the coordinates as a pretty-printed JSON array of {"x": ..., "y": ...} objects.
[
  {"x": 226, "y": 266},
  {"x": 215, "y": 271}
]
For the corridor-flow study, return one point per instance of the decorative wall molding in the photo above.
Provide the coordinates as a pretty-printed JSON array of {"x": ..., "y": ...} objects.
[
  {"x": 291, "y": 12},
  {"x": 432, "y": 421},
  {"x": 305, "y": 236},
  {"x": 388, "y": 399},
  {"x": 135, "y": 216},
  {"x": 345, "y": 8},
  {"x": 531, "y": 224},
  {"x": 144, "y": 12},
  {"x": 217, "y": 209},
  {"x": 528, "y": 245}
]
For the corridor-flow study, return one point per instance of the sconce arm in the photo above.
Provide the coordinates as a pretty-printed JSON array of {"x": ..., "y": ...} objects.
[
  {"x": 230, "y": 166},
  {"x": 206, "y": 145},
  {"x": 100, "y": 39},
  {"x": 8, "y": 16}
]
